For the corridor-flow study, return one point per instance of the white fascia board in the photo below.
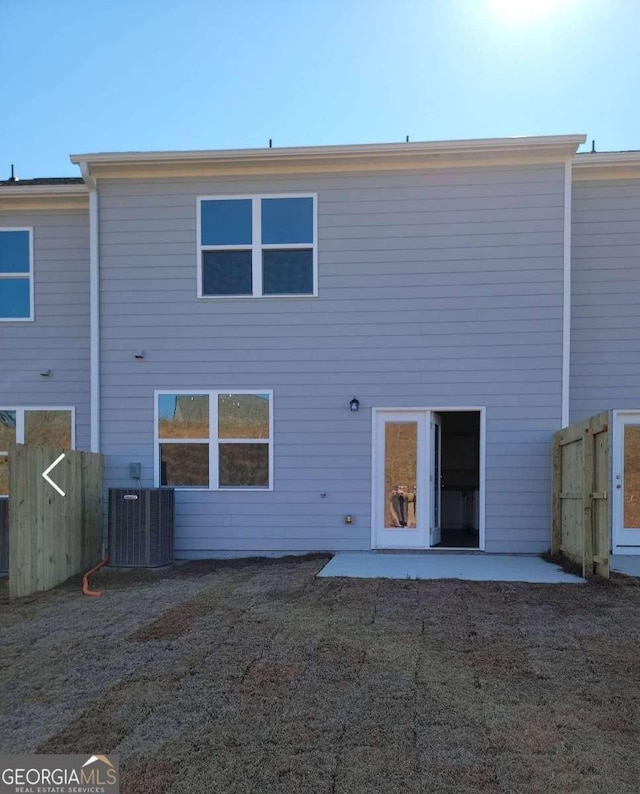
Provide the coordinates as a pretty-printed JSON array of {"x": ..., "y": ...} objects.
[
  {"x": 599, "y": 159},
  {"x": 557, "y": 144},
  {"x": 606, "y": 165},
  {"x": 41, "y": 191}
]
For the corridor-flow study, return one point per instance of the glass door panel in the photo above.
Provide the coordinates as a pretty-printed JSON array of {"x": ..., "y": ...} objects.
[
  {"x": 631, "y": 478},
  {"x": 401, "y": 477},
  {"x": 400, "y": 474}
]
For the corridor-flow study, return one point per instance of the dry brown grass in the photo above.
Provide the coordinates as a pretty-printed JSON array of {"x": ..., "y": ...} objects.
[{"x": 269, "y": 680}]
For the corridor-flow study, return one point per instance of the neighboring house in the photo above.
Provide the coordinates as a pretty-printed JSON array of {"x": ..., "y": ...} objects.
[
  {"x": 605, "y": 320},
  {"x": 468, "y": 298},
  {"x": 44, "y": 314}
]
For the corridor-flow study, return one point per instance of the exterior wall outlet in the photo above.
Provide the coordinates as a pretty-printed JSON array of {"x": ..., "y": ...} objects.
[{"x": 349, "y": 519}]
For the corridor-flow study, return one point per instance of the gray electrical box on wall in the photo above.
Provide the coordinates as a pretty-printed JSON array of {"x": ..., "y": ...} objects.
[{"x": 135, "y": 471}]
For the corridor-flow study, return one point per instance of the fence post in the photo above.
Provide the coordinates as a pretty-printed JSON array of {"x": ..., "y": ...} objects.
[
  {"x": 587, "y": 502},
  {"x": 556, "y": 486},
  {"x": 601, "y": 516}
]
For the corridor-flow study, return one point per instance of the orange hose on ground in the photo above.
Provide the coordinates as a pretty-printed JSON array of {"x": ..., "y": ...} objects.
[{"x": 85, "y": 580}]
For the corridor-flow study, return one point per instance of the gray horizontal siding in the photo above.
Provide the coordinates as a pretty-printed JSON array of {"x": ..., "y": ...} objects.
[
  {"x": 58, "y": 339},
  {"x": 605, "y": 316},
  {"x": 435, "y": 289}
]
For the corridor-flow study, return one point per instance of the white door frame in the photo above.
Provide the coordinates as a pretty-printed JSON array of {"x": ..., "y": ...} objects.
[
  {"x": 483, "y": 454},
  {"x": 435, "y": 478},
  {"x": 617, "y": 468}
]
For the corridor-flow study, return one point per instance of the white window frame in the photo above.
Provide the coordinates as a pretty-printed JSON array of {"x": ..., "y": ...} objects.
[
  {"x": 257, "y": 247},
  {"x": 214, "y": 441},
  {"x": 23, "y": 276},
  {"x": 20, "y": 412}
]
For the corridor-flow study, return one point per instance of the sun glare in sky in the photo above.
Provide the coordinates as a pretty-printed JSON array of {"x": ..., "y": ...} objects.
[{"x": 524, "y": 11}]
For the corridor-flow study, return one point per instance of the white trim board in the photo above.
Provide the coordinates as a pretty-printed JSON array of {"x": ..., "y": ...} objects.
[
  {"x": 482, "y": 411},
  {"x": 547, "y": 144},
  {"x": 566, "y": 297},
  {"x": 94, "y": 311}
]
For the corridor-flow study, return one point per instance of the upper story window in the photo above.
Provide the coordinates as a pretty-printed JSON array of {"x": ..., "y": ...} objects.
[
  {"x": 16, "y": 275},
  {"x": 257, "y": 246}
]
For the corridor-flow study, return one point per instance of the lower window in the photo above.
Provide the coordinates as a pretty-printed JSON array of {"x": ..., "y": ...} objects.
[
  {"x": 214, "y": 439},
  {"x": 42, "y": 427}
]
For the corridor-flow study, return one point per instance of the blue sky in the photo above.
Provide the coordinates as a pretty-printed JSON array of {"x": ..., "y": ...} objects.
[{"x": 114, "y": 75}]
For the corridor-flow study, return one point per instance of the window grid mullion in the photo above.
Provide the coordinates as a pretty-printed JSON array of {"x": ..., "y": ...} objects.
[
  {"x": 243, "y": 440},
  {"x": 225, "y": 247},
  {"x": 285, "y": 246},
  {"x": 183, "y": 440},
  {"x": 214, "y": 457},
  {"x": 256, "y": 254}
]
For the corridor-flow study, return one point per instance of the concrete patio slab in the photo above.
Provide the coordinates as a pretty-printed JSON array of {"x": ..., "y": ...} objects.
[
  {"x": 628, "y": 564},
  {"x": 475, "y": 567}
]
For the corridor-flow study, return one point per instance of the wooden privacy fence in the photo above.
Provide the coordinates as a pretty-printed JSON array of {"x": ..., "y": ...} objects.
[
  {"x": 581, "y": 514},
  {"x": 52, "y": 537}
]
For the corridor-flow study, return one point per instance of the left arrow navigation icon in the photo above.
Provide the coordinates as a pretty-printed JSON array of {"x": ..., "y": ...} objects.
[{"x": 46, "y": 472}]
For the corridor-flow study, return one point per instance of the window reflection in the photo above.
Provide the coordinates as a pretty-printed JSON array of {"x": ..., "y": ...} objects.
[
  {"x": 48, "y": 428},
  {"x": 183, "y": 416},
  {"x": 7, "y": 429},
  {"x": 243, "y": 416}
]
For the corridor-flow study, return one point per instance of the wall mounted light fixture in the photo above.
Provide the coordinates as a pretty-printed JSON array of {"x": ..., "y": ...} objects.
[{"x": 354, "y": 404}]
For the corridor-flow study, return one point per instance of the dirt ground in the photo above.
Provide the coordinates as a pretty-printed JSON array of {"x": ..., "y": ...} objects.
[{"x": 258, "y": 677}]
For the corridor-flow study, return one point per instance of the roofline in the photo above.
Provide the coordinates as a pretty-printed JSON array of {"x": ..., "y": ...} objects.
[
  {"x": 607, "y": 165},
  {"x": 480, "y": 146},
  {"x": 599, "y": 159},
  {"x": 42, "y": 197}
]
